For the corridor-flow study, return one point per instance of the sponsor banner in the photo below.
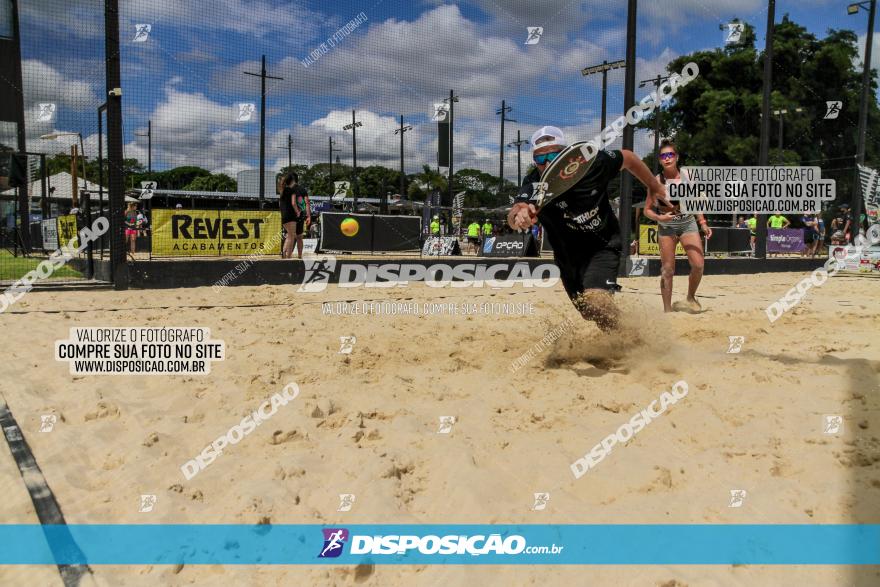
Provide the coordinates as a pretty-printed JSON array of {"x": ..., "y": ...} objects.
[
  {"x": 729, "y": 240},
  {"x": 510, "y": 245},
  {"x": 310, "y": 246},
  {"x": 860, "y": 260},
  {"x": 440, "y": 245},
  {"x": 785, "y": 240},
  {"x": 320, "y": 206},
  {"x": 456, "y": 544},
  {"x": 201, "y": 233},
  {"x": 67, "y": 230},
  {"x": 49, "y": 229},
  {"x": 369, "y": 232},
  {"x": 648, "y": 244}
]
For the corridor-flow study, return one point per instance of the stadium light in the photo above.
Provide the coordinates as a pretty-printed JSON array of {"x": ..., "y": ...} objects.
[
  {"x": 603, "y": 68},
  {"x": 854, "y": 8}
]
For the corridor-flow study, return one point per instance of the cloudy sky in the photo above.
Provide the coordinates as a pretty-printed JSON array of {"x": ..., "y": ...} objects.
[{"x": 188, "y": 77}]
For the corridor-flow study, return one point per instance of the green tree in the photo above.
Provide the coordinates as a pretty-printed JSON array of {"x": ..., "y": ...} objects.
[
  {"x": 427, "y": 181},
  {"x": 716, "y": 118},
  {"x": 375, "y": 181},
  {"x": 479, "y": 188},
  {"x": 212, "y": 183}
]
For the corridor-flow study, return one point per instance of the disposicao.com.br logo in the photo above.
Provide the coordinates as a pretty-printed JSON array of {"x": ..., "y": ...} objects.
[
  {"x": 319, "y": 273},
  {"x": 431, "y": 544}
]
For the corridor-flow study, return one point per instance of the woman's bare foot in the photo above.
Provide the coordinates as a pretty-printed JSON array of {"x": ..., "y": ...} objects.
[
  {"x": 694, "y": 306},
  {"x": 691, "y": 306}
]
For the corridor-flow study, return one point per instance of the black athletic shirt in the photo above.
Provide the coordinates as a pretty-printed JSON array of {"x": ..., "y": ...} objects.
[
  {"x": 286, "y": 200},
  {"x": 581, "y": 221}
]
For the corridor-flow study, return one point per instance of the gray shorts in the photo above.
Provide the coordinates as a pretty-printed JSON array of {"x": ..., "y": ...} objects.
[{"x": 679, "y": 227}]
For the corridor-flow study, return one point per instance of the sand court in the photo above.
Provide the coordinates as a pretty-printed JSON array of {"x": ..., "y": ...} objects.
[{"x": 524, "y": 406}]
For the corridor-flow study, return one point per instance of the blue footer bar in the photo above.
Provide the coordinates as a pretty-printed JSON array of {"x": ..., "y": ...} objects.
[{"x": 131, "y": 544}]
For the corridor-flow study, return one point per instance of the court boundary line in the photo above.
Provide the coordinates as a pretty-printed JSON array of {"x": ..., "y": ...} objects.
[{"x": 45, "y": 504}]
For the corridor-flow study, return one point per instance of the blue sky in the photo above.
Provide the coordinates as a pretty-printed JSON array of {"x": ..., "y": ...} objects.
[{"x": 188, "y": 76}]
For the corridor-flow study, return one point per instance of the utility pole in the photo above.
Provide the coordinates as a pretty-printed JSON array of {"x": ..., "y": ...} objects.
[
  {"x": 656, "y": 81},
  {"x": 400, "y": 131},
  {"x": 518, "y": 143},
  {"x": 263, "y": 75},
  {"x": 764, "y": 153},
  {"x": 289, "y": 151},
  {"x": 331, "y": 151},
  {"x": 149, "y": 135},
  {"x": 604, "y": 68},
  {"x": 503, "y": 112},
  {"x": 863, "y": 112},
  {"x": 354, "y": 154}
]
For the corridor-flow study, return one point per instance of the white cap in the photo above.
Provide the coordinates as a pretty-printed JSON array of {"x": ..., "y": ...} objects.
[{"x": 558, "y": 138}]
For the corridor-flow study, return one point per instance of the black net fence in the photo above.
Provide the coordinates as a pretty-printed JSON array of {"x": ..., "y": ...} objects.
[{"x": 388, "y": 108}]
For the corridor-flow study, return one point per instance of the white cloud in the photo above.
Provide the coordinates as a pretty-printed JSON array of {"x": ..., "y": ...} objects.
[
  {"x": 85, "y": 18},
  {"x": 875, "y": 52},
  {"x": 405, "y": 66},
  {"x": 44, "y": 83}
]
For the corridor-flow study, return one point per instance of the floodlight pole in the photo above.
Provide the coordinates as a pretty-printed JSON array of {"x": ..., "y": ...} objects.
[
  {"x": 604, "y": 68},
  {"x": 354, "y": 155},
  {"x": 863, "y": 117},
  {"x": 331, "y": 150},
  {"x": 764, "y": 153},
  {"x": 452, "y": 99},
  {"x": 629, "y": 99}
]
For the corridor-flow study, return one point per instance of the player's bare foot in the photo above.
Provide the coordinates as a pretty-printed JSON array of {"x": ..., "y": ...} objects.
[{"x": 691, "y": 306}]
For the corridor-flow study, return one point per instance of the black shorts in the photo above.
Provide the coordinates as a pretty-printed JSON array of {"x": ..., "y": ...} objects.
[
  {"x": 300, "y": 225},
  {"x": 596, "y": 270}
]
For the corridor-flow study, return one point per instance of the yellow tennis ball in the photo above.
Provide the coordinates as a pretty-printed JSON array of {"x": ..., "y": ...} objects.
[{"x": 349, "y": 227}]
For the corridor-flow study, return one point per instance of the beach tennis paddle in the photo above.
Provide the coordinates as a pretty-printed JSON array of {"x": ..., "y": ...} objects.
[
  {"x": 569, "y": 167},
  {"x": 564, "y": 172}
]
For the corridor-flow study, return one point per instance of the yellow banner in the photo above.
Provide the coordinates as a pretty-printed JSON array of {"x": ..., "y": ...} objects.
[
  {"x": 67, "y": 231},
  {"x": 202, "y": 233},
  {"x": 648, "y": 241}
]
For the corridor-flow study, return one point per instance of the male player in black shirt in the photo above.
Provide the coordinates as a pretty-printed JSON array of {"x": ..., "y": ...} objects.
[{"x": 581, "y": 225}]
